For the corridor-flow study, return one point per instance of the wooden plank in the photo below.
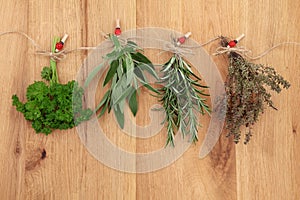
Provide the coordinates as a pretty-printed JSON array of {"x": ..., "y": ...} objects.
[
  {"x": 161, "y": 184},
  {"x": 13, "y": 77},
  {"x": 59, "y": 175},
  {"x": 104, "y": 182},
  {"x": 77, "y": 169},
  {"x": 268, "y": 168},
  {"x": 189, "y": 177}
]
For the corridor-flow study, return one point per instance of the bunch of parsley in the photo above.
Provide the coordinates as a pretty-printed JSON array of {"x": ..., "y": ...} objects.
[{"x": 53, "y": 105}]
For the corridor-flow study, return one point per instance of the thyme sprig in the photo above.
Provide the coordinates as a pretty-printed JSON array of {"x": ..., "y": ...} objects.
[
  {"x": 181, "y": 98},
  {"x": 247, "y": 89}
]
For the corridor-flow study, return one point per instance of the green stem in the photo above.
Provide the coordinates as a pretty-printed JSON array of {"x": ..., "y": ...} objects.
[
  {"x": 115, "y": 40},
  {"x": 54, "y": 78}
]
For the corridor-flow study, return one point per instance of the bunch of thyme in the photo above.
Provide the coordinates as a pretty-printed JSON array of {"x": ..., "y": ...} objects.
[
  {"x": 181, "y": 99},
  {"x": 247, "y": 93}
]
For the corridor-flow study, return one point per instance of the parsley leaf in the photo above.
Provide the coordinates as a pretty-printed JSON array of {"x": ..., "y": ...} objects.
[{"x": 54, "y": 105}]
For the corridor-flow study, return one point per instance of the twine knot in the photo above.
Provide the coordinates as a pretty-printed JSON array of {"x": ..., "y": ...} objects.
[
  {"x": 176, "y": 49},
  {"x": 223, "y": 50},
  {"x": 55, "y": 56}
]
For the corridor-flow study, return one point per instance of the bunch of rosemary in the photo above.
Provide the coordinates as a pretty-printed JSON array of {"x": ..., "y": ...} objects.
[
  {"x": 247, "y": 93},
  {"x": 181, "y": 99},
  {"x": 125, "y": 74}
]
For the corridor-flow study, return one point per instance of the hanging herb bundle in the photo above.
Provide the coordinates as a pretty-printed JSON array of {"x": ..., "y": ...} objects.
[
  {"x": 247, "y": 92},
  {"x": 126, "y": 72},
  {"x": 53, "y": 105},
  {"x": 181, "y": 98}
]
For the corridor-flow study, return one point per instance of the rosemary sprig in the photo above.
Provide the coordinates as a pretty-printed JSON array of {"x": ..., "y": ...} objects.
[
  {"x": 181, "y": 99},
  {"x": 247, "y": 94},
  {"x": 126, "y": 72}
]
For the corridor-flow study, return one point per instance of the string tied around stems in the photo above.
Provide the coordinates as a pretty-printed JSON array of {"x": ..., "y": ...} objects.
[
  {"x": 57, "y": 55},
  {"x": 174, "y": 46},
  {"x": 177, "y": 45},
  {"x": 231, "y": 47}
]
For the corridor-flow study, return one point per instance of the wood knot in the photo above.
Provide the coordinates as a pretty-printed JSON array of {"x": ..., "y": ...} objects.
[
  {"x": 294, "y": 129},
  {"x": 221, "y": 155},
  {"x": 18, "y": 149},
  {"x": 44, "y": 154},
  {"x": 34, "y": 159}
]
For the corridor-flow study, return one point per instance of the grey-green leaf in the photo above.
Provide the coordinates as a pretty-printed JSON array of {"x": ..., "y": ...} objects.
[
  {"x": 133, "y": 103},
  {"x": 104, "y": 109},
  {"x": 130, "y": 68},
  {"x": 115, "y": 40},
  {"x": 149, "y": 69},
  {"x": 111, "y": 72},
  {"x": 119, "y": 115},
  {"x": 103, "y": 101},
  {"x": 93, "y": 74},
  {"x": 123, "y": 95},
  {"x": 148, "y": 86},
  {"x": 139, "y": 74},
  {"x": 141, "y": 58}
]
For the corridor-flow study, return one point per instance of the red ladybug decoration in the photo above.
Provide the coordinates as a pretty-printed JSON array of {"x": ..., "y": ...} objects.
[
  {"x": 118, "y": 28},
  {"x": 60, "y": 45},
  {"x": 232, "y": 43},
  {"x": 182, "y": 39},
  {"x": 118, "y": 31}
]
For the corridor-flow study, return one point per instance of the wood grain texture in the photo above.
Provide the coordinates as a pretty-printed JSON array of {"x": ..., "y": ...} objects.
[
  {"x": 12, "y": 151},
  {"x": 270, "y": 163},
  {"x": 268, "y": 168},
  {"x": 189, "y": 176}
]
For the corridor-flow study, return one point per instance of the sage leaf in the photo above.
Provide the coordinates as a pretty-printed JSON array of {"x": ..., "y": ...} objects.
[
  {"x": 119, "y": 115},
  {"x": 133, "y": 105},
  {"x": 93, "y": 74},
  {"x": 148, "y": 68},
  {"x": 141, "y": 58},
  {"x": 111, "y": 72},
  {"x": 123, "y": 95},
  {"x": 104, "y": 100}
]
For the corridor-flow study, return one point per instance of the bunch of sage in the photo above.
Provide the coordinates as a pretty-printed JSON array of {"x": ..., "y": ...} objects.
[{"x": 126, "y": 70}]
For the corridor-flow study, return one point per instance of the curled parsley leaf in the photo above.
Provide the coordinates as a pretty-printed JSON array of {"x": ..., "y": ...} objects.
[{"x": 54, "y": 105}]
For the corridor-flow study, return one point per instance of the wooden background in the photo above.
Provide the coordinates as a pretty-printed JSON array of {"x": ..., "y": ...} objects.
[{"x": 268, "y": 168}]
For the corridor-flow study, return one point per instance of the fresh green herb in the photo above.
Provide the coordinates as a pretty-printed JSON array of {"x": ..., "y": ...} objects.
[
  {"x": 247, "y": 94},
  {"x": 181, "y": 99},
  {"x": 52, "y": 106},
  {"x": 126, "y": 72}
]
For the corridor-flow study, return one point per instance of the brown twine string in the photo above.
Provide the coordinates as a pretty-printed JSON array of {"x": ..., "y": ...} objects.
[
  {"x": 246, "y": 52},
  {"x": 203, "y": 44},
  {"x": 171, "y": 46},
  {"x": 186, "y": 49},
  {"x": 58, "y": 56},
  {"x": 182, "y": 49}
]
